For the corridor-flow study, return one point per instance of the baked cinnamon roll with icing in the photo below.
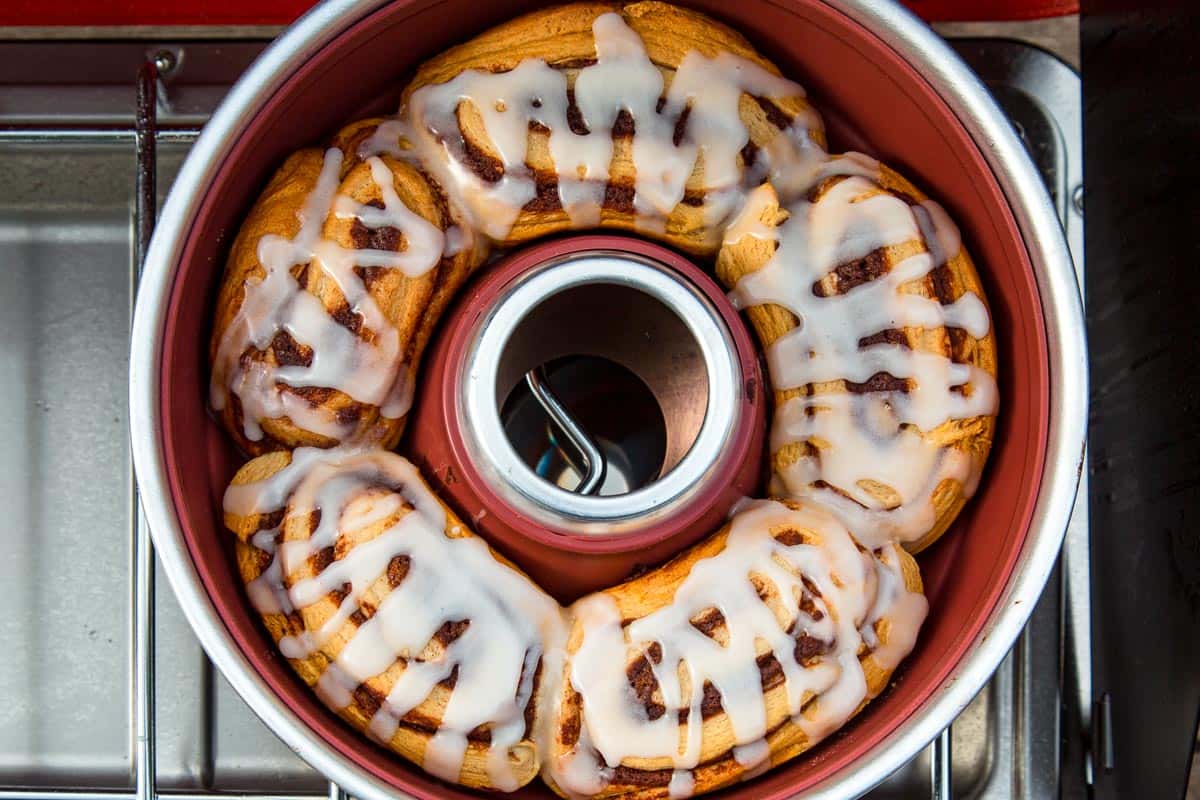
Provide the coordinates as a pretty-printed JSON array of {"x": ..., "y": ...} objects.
[
  {"x": 404, "y": 622},
  {"x": 644, "y": 117},
  {"x": 332, "y": 287},
  {"x": 740, "y": 654},
  {"x": 880, "y": 350}
]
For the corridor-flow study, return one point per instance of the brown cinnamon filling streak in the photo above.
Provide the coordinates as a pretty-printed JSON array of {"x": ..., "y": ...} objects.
[
  {"x": 369, "y": 275},
  {"x": 315, "y": 395},
  {"x": 546, "y": 199},
  {"x": 890, "y": 336},
  {"x": 640, "y": 675},
  {"x": 749, "y": 154},
  {"x": 369, "y": 700},
  {"x": 709, "y": 622},
  {"x": 363, "y": 613},
  {"x": 485, "y": 165},
  {"x": 771, "y": 672},
  {"x": 640, "y": 672},
  {"x": 572, "y": 721},
  {"x": 879, "y": 382},
  {"x": 451, "y": 680},
  {"x": 855, "y": 273},
  {"x": 789, "y": 538},
  {"x": 533, "y": 693},
  {"x": 397, "y": 570},
  {"x": 450, "y": 631},
  {"x": 321, "y": 559},
  {"x": 681, "y": 126},
  {"x": 347, "y": 317},
  {"x": 339, "y": 595},
  {"x": 575, "y": 116},
  {"x": 382, "y": 238},
  {"x": 775, "y": 115},
  {"x": 618, "y": 196},
  {"x": 266, "y": 522},
  {"x": 290, "y": 353}
]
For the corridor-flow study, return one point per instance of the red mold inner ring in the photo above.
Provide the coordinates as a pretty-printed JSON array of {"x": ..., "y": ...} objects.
[
  {"x": 565, "y": 564},
  {"x": 910, "y": 127}
]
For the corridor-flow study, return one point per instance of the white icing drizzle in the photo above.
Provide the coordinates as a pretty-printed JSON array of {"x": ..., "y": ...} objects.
[
  {"x": 856, "y": 591},
  {"x": 512, "y": 623},
  {"x": 864, "y": 439},
  {"x": 622, "y": 79},
  {"x": 683, "y": 784},
  {"x": 754, "y": 758},
  {"x": 369, "y": 369}
]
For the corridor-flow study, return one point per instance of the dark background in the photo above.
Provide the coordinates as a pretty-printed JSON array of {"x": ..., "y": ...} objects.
[{"x": 1141, "y": 84}]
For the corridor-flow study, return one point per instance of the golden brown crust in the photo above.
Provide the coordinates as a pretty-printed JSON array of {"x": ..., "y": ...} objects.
[
  {"x": 412, "y": 305},
  {"x": 562, "y": 37},
  {"x": 421, "y": 723},
  {"x": 654, "y": 590},
  {"x": 947, "y": 284}
]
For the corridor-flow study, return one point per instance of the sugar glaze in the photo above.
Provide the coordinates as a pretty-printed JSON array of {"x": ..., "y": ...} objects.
[
  {"x": 856, "y": 591},
  {"x": 872, "y": 438},
  {"x": 367, "y": 367},
  {"x": 513, "y": 627}
]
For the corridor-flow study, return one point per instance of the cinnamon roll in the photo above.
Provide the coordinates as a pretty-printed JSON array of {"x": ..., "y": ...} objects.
[
  {"x": 740, "y": 654},
  {"x": 880, "y": 350},
  {"x": 331, "y": 289},
  {"x": 405, "y": 623},
  {"x": 644, "y": 117}
]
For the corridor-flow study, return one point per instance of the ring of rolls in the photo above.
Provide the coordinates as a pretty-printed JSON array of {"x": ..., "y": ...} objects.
[{"x": 746, "y": 649}]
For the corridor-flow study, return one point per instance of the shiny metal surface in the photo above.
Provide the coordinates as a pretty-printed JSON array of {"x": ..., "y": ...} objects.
[
  {"x": 586, "y": 457},
  {"x": 64, "y": 305},
  {"x": 941, "y": 773},
  {"x": 145, "y": 211},
  {"x": 511, "y": 340}
]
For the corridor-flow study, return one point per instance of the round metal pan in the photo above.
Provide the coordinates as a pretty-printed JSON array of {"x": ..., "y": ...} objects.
[{"x": 886, "y": 85}]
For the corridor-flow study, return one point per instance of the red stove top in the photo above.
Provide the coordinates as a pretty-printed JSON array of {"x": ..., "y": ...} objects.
[{"x": 282, "y": 12}]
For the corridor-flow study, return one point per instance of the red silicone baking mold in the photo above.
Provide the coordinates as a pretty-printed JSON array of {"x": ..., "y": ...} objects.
[{"x": 872, "y": 100}]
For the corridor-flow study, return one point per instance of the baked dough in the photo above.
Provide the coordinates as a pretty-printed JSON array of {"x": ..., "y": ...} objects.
[
  {"x": 898, "y": 448},
  {"x": 401, "y": 619},
  {"x": 636, "y": 54},
  {"x": 291, "y": 372},
  {"x": 781, "y": 603}
]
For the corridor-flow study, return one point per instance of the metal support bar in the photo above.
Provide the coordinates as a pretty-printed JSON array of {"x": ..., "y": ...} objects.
[
  {"x": 941, "y": 779},
  {"x": 84, "y": 136},
  {"x": 145, "y": 212}
]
